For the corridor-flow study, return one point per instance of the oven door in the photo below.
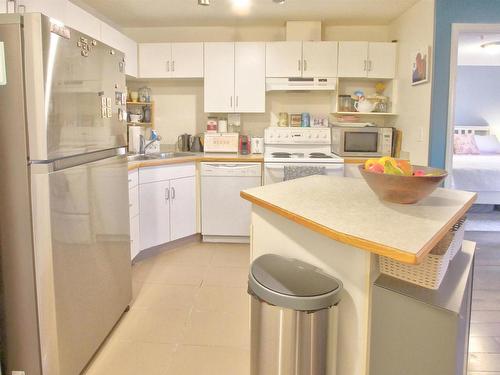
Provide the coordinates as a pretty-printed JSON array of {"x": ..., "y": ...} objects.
[{"x": 274, "y": 172}]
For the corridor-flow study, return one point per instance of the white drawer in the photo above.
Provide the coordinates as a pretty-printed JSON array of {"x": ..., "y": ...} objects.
[
  {"x": 133, "y": 178},
  {"x": 166, "y": 172},
  {"x": 133, "y": 201}
]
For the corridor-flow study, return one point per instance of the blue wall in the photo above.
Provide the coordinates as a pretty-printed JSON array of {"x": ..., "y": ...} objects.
[
  {"x": 448, "y": 12},
  {"x": 477, "y": 97}
]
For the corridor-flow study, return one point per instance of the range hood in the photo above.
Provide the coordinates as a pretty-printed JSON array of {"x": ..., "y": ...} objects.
[{"x": 301, "y": 84}]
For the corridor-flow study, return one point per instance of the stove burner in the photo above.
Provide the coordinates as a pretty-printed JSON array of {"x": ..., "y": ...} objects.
[
  {"x": 297, "y": 155},
  {"x": 319, "y": 155},
  {"x": 281, "y": 154}
]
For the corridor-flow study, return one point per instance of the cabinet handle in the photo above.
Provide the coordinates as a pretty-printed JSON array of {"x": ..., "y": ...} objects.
[
  {"x": 168, "y": 66},
  {"x": 237, "y": 101},
  {"x": 231, "y": 102},
  {"x": 364, "y": 68},
  {"x": 305, "y": 65},
  {"x": 130, "y": 204},
  {"x": 369, "y": 65},
  {"x": 299, "y": 65},
  {"x": 167, "y": 194},
  {"x": 173, "y": 193},
  {"x": 173, "y": 65},
  {"x": 129, "y": 180}
]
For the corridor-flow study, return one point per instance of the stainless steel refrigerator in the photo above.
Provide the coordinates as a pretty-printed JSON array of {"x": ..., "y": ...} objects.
[{"x": 64, "y": 232}]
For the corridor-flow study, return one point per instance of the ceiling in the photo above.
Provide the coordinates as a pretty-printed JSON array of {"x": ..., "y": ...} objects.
[
  {"x": 470, "y": 51},
  {"x": 154, "y": 13}
]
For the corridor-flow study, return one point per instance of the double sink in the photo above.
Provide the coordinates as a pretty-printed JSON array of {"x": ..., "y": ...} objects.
[{"x": 159, "y": 156}]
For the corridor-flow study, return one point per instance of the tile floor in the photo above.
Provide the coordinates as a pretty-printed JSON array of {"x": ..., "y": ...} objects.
[
  {"x": 189, "y": 316},
  {"x": 484, "y": 357}
]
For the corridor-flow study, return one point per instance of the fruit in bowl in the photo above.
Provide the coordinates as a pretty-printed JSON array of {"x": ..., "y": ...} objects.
[{"x": 398, "y": 181}]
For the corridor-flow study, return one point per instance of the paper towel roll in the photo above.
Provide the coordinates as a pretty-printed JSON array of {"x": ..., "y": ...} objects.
[{"x": 134, "y": 143}]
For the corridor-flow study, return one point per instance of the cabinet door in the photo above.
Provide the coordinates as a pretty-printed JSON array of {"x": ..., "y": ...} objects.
[
  {"x": 250, "y": 77},
  {"x": 320, "y": 59},
  {"x": 353, "y": 59},
  {"x": 155, "y": 60},
  {"x": 382, "y": 60},
  {"x": 134, "y": 237},
  {"x": 187, "y": 60},
  {"x": 284, "y": 59},
  {"x": 219, "y": 77},
  {"x": 183, "y": 207},
  {"x": 82, "y": 21},
  {"x": 154, "y": 203}
]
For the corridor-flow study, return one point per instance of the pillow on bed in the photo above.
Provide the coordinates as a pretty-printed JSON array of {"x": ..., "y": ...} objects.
[
  {"x": 487, "y": 144},
  {"x": 464, "y": 144}
]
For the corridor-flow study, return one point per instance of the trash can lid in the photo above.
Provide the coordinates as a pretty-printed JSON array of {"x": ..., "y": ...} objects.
[{"x": 292, "y": 283}]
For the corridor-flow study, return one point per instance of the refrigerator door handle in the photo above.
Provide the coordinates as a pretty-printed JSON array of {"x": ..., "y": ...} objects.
[{"x": 73, "y": 161}]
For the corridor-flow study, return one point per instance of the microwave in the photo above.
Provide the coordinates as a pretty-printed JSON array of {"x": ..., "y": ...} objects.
[{"x": 362, "y": 142}]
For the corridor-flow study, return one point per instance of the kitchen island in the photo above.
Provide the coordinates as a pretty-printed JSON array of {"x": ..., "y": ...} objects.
[{"x": 339, "y": 225}]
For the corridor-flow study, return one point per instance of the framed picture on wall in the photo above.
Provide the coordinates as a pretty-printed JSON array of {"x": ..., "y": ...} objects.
[{"x": 420, "y": 66}]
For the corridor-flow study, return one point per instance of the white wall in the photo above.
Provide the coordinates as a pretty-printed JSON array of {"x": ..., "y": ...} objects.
[
  {"x": 414, "y": 29},
  {"x": 179, "y": 103}
]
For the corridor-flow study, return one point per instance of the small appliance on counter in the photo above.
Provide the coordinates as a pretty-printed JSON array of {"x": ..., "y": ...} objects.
[
  {"x": 222, "y": 125},
  {"x": 221, "y": 142},
  {"x": 212, "y": 125},
  {"x": 184, "y": 142},
  {"x": 196, "y": 144},
  {"x": 257, "y": 145},
  {"x": 134, "y": 138},
  {"x": 245, "y": 145},
  {"x": 366, "y": 141}
]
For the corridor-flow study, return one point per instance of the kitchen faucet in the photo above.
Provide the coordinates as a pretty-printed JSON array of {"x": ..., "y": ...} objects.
[{"x": 143, "y": 146}]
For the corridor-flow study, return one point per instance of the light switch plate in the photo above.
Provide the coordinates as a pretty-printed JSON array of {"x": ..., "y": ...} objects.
[{"x": 3, "y": 70}]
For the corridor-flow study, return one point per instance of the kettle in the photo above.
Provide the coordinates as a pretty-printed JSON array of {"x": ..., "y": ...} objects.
[
  {"x": 196, "y": 144},
  {"x": 184, "y": 142}
]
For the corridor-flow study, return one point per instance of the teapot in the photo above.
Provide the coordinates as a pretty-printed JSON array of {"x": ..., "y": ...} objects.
[{"x": 364, "y": 105}]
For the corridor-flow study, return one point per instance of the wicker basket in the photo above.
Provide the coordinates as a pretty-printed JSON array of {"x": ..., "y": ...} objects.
[{"x": 430, "y": 273}]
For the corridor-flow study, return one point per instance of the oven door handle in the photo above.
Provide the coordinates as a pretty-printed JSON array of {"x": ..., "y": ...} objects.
[{"x": 327, "y": 166}]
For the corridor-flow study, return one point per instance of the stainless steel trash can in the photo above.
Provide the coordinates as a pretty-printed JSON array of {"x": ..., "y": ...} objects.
[{"x": 293, "y": 318}]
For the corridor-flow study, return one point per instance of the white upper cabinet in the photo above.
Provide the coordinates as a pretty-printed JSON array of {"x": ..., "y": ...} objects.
[
  {"x": 155, "y": 60},
  {"x": 382, "y": 60},
  {"x": 249, "y": 77},
  {"x": 235, "y": 77},
  {"x": 319, "y": 59},
  {"x": 82, "y": 21},
  {"x": 171, "y": 60},
  {"x": 353, "y": 59},
  {"x": 301, "y": 59},
  {"x": 219, "y": 77},
  {"x": 187, "y": 60},
  {"x": 363, "y": 59},
  {"x": 284, "y": 59}
]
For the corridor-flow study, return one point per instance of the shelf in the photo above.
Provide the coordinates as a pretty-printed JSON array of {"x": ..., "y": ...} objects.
[
  {"x": 367, "y": 113},
  {"x": 139, "y": 103},
  {"x": 140, "y": 123}
]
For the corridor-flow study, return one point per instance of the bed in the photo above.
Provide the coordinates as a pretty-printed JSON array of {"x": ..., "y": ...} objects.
[{"x": 478, "y": 173}]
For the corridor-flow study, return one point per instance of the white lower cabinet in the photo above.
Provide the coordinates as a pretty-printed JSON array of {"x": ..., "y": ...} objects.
[
  {"x": 182, "y": 207},
  {"x": 167, "y": 201},
  {"x": 154, "y": 203}
]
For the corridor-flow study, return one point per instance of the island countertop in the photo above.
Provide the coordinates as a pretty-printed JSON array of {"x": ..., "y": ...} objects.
[{"x": 346, "y": 210}]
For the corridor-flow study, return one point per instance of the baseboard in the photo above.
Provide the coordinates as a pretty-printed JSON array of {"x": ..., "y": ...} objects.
[
  {"x": 155, "y": 250},
  {"x": 226, "y": 239}
]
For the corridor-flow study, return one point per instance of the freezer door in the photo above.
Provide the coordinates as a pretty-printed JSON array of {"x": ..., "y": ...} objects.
[
  {"x": 82, "y": 258},
  {"x": 74, "y": 86}
]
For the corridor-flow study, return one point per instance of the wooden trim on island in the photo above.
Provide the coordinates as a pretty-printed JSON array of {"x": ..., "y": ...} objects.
[{"x": 361, "y": 243}]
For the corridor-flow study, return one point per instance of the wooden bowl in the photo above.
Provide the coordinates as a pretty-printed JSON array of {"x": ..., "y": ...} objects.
[{"x": 403, "y": 189}]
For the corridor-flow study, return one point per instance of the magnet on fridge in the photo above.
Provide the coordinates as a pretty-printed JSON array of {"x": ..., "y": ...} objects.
[
  {"x": 109, "y": 112},
  {"x": 108, "y": 102},
  {"x": 103, "y": 101},
  {"x": 104, "y": 113}
]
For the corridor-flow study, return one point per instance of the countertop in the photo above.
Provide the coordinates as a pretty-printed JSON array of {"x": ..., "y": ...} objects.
[
  {"x": 199, "y": 157},
  {"x": 346, "y": 210}
]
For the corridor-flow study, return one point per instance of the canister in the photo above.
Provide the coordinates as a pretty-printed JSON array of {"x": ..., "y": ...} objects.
[{"x": 306, "y": 120}]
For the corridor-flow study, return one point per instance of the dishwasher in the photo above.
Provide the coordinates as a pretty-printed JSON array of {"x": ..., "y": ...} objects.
[{"x": 225, "y": 216}]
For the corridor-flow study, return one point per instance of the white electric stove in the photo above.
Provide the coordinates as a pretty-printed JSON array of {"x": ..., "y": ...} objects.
[{"x": 298, "y": 147}]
